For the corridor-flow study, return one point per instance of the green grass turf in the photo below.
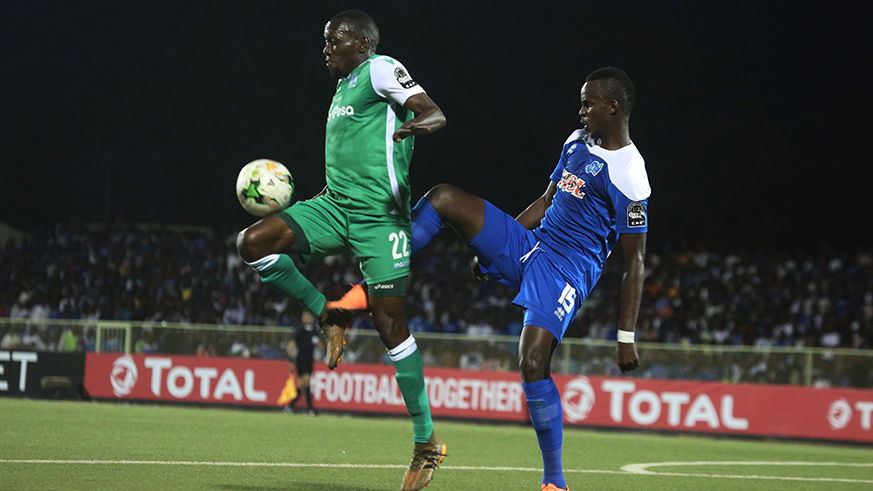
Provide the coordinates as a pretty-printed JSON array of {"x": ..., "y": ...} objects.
[{"x": 325, "y": 447}]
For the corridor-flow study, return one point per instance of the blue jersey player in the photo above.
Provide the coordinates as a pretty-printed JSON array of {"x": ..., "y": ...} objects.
[{"x": 553, "y": 253}]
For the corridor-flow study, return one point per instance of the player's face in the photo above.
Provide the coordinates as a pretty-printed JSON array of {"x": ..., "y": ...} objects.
[
  {"x": 595, "y": 111},
  {"x": 341, "y": 49}
]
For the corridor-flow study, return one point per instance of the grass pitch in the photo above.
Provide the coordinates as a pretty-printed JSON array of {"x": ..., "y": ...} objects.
[{"x": 47, "y": 445}]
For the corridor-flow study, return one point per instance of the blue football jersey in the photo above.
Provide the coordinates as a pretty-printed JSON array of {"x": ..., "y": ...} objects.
[{"x": 601, "y": 194}]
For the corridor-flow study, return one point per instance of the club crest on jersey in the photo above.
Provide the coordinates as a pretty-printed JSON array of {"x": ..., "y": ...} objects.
[
  {"x": 572, "y": 184},
  {"x": 593, "y": 168},
  {"x": 353, "y": 80},
  {"x": 571, "y": 150},
  {"x": 403, "y": 78},
  {"x": 636, "y": 214}
]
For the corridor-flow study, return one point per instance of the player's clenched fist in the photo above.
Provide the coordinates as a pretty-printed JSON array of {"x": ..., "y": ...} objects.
[{"x": 627, "y": 357}]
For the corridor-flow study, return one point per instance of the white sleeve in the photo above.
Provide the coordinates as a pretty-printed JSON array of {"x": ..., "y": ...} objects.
[
  {"x": 633, "y": 183},
  {"x": 391, "y": 80}
]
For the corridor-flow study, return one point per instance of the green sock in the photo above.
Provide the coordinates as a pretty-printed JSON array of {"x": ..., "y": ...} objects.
[
  {"x": 410, "y": 379},
  {"x": 279, "y": 273}
]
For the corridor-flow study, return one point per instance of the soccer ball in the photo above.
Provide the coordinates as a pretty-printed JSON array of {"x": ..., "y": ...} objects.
[{"x": 264, "y": 187}]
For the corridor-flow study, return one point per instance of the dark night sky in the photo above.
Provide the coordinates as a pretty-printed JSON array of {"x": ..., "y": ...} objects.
[{"x": 752, "y": 118}]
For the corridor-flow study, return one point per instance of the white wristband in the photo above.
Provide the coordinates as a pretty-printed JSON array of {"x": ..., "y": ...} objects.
[{"x": 625, "y": 336}]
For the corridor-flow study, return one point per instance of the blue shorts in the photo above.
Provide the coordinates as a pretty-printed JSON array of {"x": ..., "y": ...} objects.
[{"x": 511, "y": 254}]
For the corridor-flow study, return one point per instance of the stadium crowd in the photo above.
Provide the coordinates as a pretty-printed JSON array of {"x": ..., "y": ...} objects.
[{"x": 692, "y": 295}]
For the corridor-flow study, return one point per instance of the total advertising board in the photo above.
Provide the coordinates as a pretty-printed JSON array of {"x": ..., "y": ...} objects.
[
  {"x": 618, "y": 402},
  {"x": 192, "y": 379}
]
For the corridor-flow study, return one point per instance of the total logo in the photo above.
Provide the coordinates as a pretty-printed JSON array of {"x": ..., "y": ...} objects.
[
  {"x": 123, "y": 376},
  {"x": 182, "y": 382},
  {"x": 578, "y": 399},
  {"x": 840, "y": 414},
  {"x": 646, "y": 407}
]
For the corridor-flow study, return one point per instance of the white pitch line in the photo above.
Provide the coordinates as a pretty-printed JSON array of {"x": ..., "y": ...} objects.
[
  {"x": 183, "y": 462},
  {"x": 642, "y": 469},
  {"x": 632, "y": 469},
  {"x": 766, "y": 478},
  {"x": 282, "y": 464}
]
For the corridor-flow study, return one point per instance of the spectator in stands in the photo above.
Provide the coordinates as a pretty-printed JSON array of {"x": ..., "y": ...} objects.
[
  {"x": 146, "y": 344},
  {"x": 12, "y": 340},
  {"x": 32, "y": 339},
  {"x": 207, "y": 346},
  {"x": 777, "y": 298},
  {"x": 69, "y": 340}
]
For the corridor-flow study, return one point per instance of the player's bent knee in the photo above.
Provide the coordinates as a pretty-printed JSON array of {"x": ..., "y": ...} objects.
[
  {"x": 533, "y": 367},
  {"x": 465, "y": 212},
  {"x": 269, "y": 236},
  {"x": 242, "y": 245},
  {"x": 441, "y": 195},
  {"x": 246, "y": 245}
]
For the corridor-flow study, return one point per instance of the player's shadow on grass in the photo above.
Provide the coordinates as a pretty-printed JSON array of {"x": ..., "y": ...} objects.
[{"x": 294, "y": 487}]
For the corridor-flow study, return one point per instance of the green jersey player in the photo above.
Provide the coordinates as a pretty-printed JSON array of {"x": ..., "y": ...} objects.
[{"x": 364, "y": 210}]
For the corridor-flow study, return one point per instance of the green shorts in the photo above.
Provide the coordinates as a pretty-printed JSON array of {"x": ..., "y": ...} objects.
[{"x": 381, "y": 244}]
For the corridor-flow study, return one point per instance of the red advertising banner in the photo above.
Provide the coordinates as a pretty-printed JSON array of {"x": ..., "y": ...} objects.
[
  {"x": 741, "y": 409},
  {"x": 185, "y": 378},
  {"x": 452, "y": 392},
  {"x": 621, "y": 402}
]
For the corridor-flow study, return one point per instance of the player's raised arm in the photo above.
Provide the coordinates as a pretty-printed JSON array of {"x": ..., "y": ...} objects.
[
  {"x": 429, "y": 117},
  {"x": 633, "y": 252},
  {"x": 531, "y": 217}
]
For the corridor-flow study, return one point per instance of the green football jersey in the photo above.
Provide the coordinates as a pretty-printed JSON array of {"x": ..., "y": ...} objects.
[{"x": 363, "y": 164}]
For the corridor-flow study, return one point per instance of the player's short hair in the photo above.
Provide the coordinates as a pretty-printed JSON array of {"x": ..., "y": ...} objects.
[
  {"x": 615, "y": 85},
  {"x": 362, "y": 23}
]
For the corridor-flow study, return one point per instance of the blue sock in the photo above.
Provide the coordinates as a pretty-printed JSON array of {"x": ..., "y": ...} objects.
[
  {"x": 546, "y": 414},
  {"x": 426, "y": 223}
]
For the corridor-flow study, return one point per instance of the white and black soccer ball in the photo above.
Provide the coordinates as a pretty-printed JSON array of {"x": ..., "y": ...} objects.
[{"x": 264, "y": 187}]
